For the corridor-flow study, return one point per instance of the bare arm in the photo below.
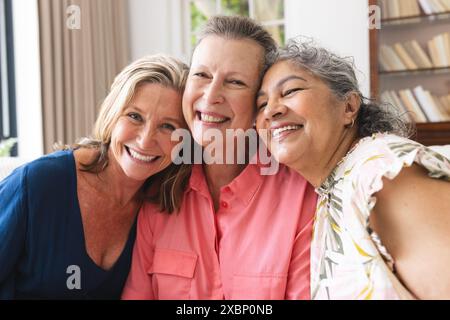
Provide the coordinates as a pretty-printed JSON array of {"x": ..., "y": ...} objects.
[{"x": 412, "y": 218}]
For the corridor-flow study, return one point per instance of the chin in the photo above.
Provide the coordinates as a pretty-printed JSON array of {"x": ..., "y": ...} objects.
[
  {"x": 139, "y": 173},
  {"x": 137, "y": 176},
  {"x": 282, "y": 156},
  {"x": 198, "y": 133}
]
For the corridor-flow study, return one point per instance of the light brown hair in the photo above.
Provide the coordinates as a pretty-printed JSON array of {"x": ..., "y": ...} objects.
[{"x": 165, "y": 188}]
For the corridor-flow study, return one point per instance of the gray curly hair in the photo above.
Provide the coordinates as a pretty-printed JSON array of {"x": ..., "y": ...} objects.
[{"x": 339, "y": 74}]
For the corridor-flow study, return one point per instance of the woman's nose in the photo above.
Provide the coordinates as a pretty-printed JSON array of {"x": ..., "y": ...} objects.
[
  {"x": 274, "y": 110},
  {"x": 214, "y": 93},
  {"x": 146, "y": 137}
]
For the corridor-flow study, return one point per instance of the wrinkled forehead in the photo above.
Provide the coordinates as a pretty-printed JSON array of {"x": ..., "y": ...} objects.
[{"x": 240, "y": 54}]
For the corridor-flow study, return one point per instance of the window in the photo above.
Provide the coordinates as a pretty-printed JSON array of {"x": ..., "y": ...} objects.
[
  {"x": 270, "y": 13},
  {"x": 8, "y": 128}
]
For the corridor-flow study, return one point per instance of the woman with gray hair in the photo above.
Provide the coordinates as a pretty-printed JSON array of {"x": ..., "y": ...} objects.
[
  {"x": 382, "y": 224},
  {"x": 239, "y": 234}
]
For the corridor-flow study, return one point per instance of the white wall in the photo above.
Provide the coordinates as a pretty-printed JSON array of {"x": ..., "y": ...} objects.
[
  {"x": 156, "y": 26},
  {"x": 28, "y": 79},
  {"x": 340, "y": 26}
]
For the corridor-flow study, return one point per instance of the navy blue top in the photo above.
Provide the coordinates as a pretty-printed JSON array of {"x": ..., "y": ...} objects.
[{"x": 42, "y": 247}]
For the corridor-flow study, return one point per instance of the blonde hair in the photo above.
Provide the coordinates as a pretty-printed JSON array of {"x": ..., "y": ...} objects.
[{"x": 160, "y": 69}]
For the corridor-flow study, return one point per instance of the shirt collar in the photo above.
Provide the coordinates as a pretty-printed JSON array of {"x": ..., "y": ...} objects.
[{"x": 244, "y": 186}]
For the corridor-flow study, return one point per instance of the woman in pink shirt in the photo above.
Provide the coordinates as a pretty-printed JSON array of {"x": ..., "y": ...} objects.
[{"x": 239, "y": 234}]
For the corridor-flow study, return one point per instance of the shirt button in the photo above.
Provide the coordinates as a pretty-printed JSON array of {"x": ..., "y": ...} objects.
[
  {"x": 224, "y": 204},
  {"x": 227, "y": 189}
]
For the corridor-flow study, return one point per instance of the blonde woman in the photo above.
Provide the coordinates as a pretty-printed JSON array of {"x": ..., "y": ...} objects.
[{"x": 67, "y": 220}]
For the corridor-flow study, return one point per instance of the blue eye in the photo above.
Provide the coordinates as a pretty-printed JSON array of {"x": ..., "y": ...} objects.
[
  {"x": 134, "y": 116},
  {"x": 168, "y": 126}
]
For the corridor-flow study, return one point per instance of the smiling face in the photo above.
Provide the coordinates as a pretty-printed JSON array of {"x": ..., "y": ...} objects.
[
  {"x": 221, "y": 87},
  {"x": 304, "y": 119},
  {"x": 140, "y": 140}
]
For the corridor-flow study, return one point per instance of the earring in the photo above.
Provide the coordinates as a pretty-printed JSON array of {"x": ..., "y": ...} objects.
[{"x": 351, "y": 125}]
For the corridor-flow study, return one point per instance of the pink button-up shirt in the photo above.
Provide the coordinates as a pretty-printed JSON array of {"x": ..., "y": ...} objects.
[{"x": 256, "y": 246}]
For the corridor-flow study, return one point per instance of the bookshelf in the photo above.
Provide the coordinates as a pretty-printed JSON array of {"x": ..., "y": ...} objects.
[{"x": 431, "y": 81}]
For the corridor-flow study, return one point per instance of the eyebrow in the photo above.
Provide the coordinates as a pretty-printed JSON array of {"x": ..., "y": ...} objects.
[
  {"x": 135, "y": 108},
  {"x": 281, "y": 82},
  {"x": 288, "y": 78}
]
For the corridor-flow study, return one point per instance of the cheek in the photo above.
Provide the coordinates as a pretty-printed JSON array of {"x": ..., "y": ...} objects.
[
  {"x": 244, "y": 109},
  {"x": 187, "y": 109},
  {"x": 166, "y": 145},
  {"x": 122, "y": 131},
  {"x": 191, "y": 93},
  {"x": 260, "y": 121},
  {"x": 116, "y": 136}
]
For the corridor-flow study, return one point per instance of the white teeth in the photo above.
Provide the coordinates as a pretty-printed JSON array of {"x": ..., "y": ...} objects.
[
  {"x": 208, "y": 118},
  {"x": 141, "y": 157},
  {"x": 276, "y": 132}
]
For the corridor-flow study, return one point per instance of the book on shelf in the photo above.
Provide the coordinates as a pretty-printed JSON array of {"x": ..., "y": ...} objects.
[
  {"x": 412, "y": 106},
  {"x": 445, "y": 101},
  {"x": 426, "y": 7},
  {"x": 405, "y": 57},
  {"x": 399, "y": 8},
  {"x": 411, "y": 56},
  {"x": 442, "y": 105},
  {"x": 397, "y": 101},
  {"x": 391, "y": 97},
  {"x": 434, "y": 6},
  {"x": 418, "y": 54},
  {"x": 391, "y": 9},
  {"x": 439, "y": 48},
  {"x": 439, "y": 5},
  {"x": 427, "y": 104},
  {"x": 419, "y": 105}
]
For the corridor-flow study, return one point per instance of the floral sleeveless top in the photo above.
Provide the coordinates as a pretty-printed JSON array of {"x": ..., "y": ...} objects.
[{"x": 347, "y": 259}]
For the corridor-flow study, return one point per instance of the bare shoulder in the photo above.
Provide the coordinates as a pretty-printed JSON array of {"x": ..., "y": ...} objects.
[{"x": 412, "y": 218}]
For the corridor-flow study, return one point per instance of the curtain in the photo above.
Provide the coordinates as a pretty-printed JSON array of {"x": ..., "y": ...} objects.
[{"x": 83, "y": 45}]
